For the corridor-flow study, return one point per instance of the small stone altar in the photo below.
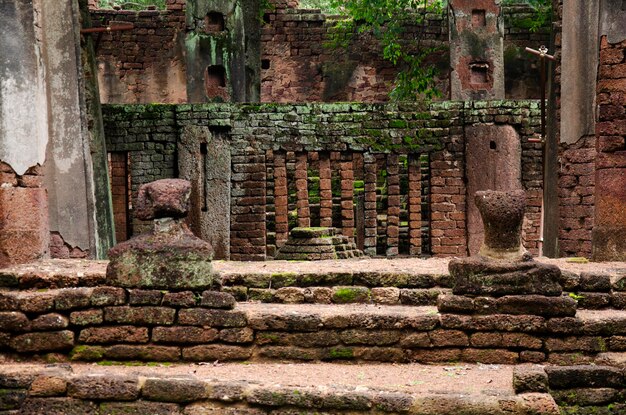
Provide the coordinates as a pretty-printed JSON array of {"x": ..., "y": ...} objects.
[
  {"x": 503, "y": 278},
  {"x": 169, "y": 256},
  {"x": 309, "y": 244}
]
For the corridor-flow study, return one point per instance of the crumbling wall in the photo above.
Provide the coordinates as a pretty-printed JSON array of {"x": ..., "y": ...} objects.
[
  {"x": 353, "y": 132},
  {"x": 145, "y": 64},
  {"x": 296, "y": 63}
]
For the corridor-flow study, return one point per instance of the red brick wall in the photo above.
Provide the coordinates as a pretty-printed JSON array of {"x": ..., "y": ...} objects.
[
  {"x": 119, "y": 176},
  {"x": 302, "y": 68},
  {"x": 146, "y": 64},
  {"x": 24, "y": 229},
  {"x": 611, "y": 159}
]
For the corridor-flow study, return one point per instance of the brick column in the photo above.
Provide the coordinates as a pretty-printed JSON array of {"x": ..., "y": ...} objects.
[
  {"x": 302, "y": 191},
  {"x": 326, "y": 193},
  {"x": 447, "y": 204},
  {"x": 248, "y": 225},
  {"x": 347, "y": 196},
  {"x": 609, "y": 229},
  {"x": 393, "y": 204},
  {"x": 280, "y": 199},
  {"x": 370, "y": 204},
  {"x": 415, "y": 206}
]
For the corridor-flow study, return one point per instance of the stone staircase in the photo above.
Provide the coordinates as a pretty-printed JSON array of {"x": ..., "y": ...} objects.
[{"x": 59, "y": 316}]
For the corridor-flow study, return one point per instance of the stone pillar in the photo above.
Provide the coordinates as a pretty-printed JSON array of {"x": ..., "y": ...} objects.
[
  {"x": 223, "y": 51},
  {"x": 302, "y": 191},
  {"x": 347, "y": 196},
  {"x": 476, "y": 49},
  {"x": 281, "y": 201},
  {"x": 204, "y": 159},
  {"x": 393, "y": 205},
  {"x": 415, "y": 206},
  {"x": 371, "y": 225},
  {"x": 24, "y": 229},
  {"x": 326, "y": 193}
]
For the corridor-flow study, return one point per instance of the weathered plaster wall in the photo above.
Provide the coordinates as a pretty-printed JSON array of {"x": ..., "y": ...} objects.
[
  {"x": 580, "y": 61},
  {"x": 24, "y": 229},
  {"x": 23, "y": 131},
  {"x": 68, "y": 168}
]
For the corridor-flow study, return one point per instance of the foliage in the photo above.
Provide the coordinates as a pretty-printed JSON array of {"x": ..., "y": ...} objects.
[
  {"x": 324, "y": 5},
  {"x": 542, "y": 14},
  {"x": 132, "y": 5},
  {"x": 386, "y": 20}
]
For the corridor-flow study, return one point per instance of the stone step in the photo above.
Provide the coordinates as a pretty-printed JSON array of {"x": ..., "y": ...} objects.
[
  {"x": 106, "y": 323},
  {"x": 260, "y": 389}
]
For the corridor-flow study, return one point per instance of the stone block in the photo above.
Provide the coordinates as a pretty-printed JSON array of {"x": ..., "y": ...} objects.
[
  {"x": 14, "y": 321},
  {"x": 114, "y": 334},
  {"x": 58, "y": 406},
  {"x": 49, "y": 322},
  {"x": 152, "y": 316},
  {"x": 212, "y": 318},
  {"x": 183, "y": 335},
  {"x": 140, "y": 408},
  {"x": 350, "y": 294},
  {"x": 174, "y": 390},
  {"x": 24, "y": 227},
  {"x": 582, "y": 376},
  {"x": 536, "y": 305},
  {"x": 166, "y": 198},
  {"x": 45, "y": 385},
  {"x": 104, "y": 387},
  {"x": 43, "y": 342},
  {"x": 217, "y": 299},
  {"x": 530, "y": 379},
  {"x": 477, "y": 276},
  {"x": 144, "y": 353},
  {"x": 180, "y": 299},
  {"x": 87, "y": 317},
  {"x": 211, "y": 353}
]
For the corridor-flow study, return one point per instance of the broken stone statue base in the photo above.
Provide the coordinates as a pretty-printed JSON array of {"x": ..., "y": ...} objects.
[
  {"x": 167, "y": 257},
  {"x": 310, "y": 244}
]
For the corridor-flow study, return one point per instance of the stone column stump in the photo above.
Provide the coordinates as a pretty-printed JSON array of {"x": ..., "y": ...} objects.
[{"x": 169, "y": 256}]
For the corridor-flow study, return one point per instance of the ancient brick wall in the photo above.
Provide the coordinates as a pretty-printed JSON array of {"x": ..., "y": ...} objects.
[
  {"x": 145, "y": 65},
  {"x": 576, "y": 169},
  {"x": 352, "y": 135},
  {"x": 610, "y": 174}
]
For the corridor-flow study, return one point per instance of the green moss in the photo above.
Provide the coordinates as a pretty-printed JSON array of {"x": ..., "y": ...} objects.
[
  {"x": 340, "y": 353},
  {"x": 87, "y": 353}
]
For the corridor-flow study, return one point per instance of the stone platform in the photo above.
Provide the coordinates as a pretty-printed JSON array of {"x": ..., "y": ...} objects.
[
  {"x": 62, "y": 312},
  {"x": 259, "y": 389}
]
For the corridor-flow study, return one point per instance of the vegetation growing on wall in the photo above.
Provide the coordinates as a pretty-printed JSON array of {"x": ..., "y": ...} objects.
[
  {"x": 386, "y": 20},
  {"x": 131, "y": 5}
]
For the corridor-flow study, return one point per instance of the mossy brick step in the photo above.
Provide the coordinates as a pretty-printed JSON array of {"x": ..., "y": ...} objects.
[
  {"x": 266, "y": 389},
  {"x": 178, "y": 327},
  {"x": 310, "y": 233},
  {"x": 580, "y": 389}
]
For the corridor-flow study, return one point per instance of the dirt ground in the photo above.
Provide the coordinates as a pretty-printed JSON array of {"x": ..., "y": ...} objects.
[{"x": 433, "y": 266}]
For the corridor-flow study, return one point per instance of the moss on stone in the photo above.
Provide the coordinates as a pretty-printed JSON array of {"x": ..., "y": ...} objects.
[{"x": 340, "y": 353}]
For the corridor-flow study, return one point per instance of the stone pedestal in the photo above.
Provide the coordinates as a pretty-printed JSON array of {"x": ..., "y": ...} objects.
[
  {"x": 503, "y": 278},
  {"x": 169, "y": 256},
  {"x": 310, "y": 244}
]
